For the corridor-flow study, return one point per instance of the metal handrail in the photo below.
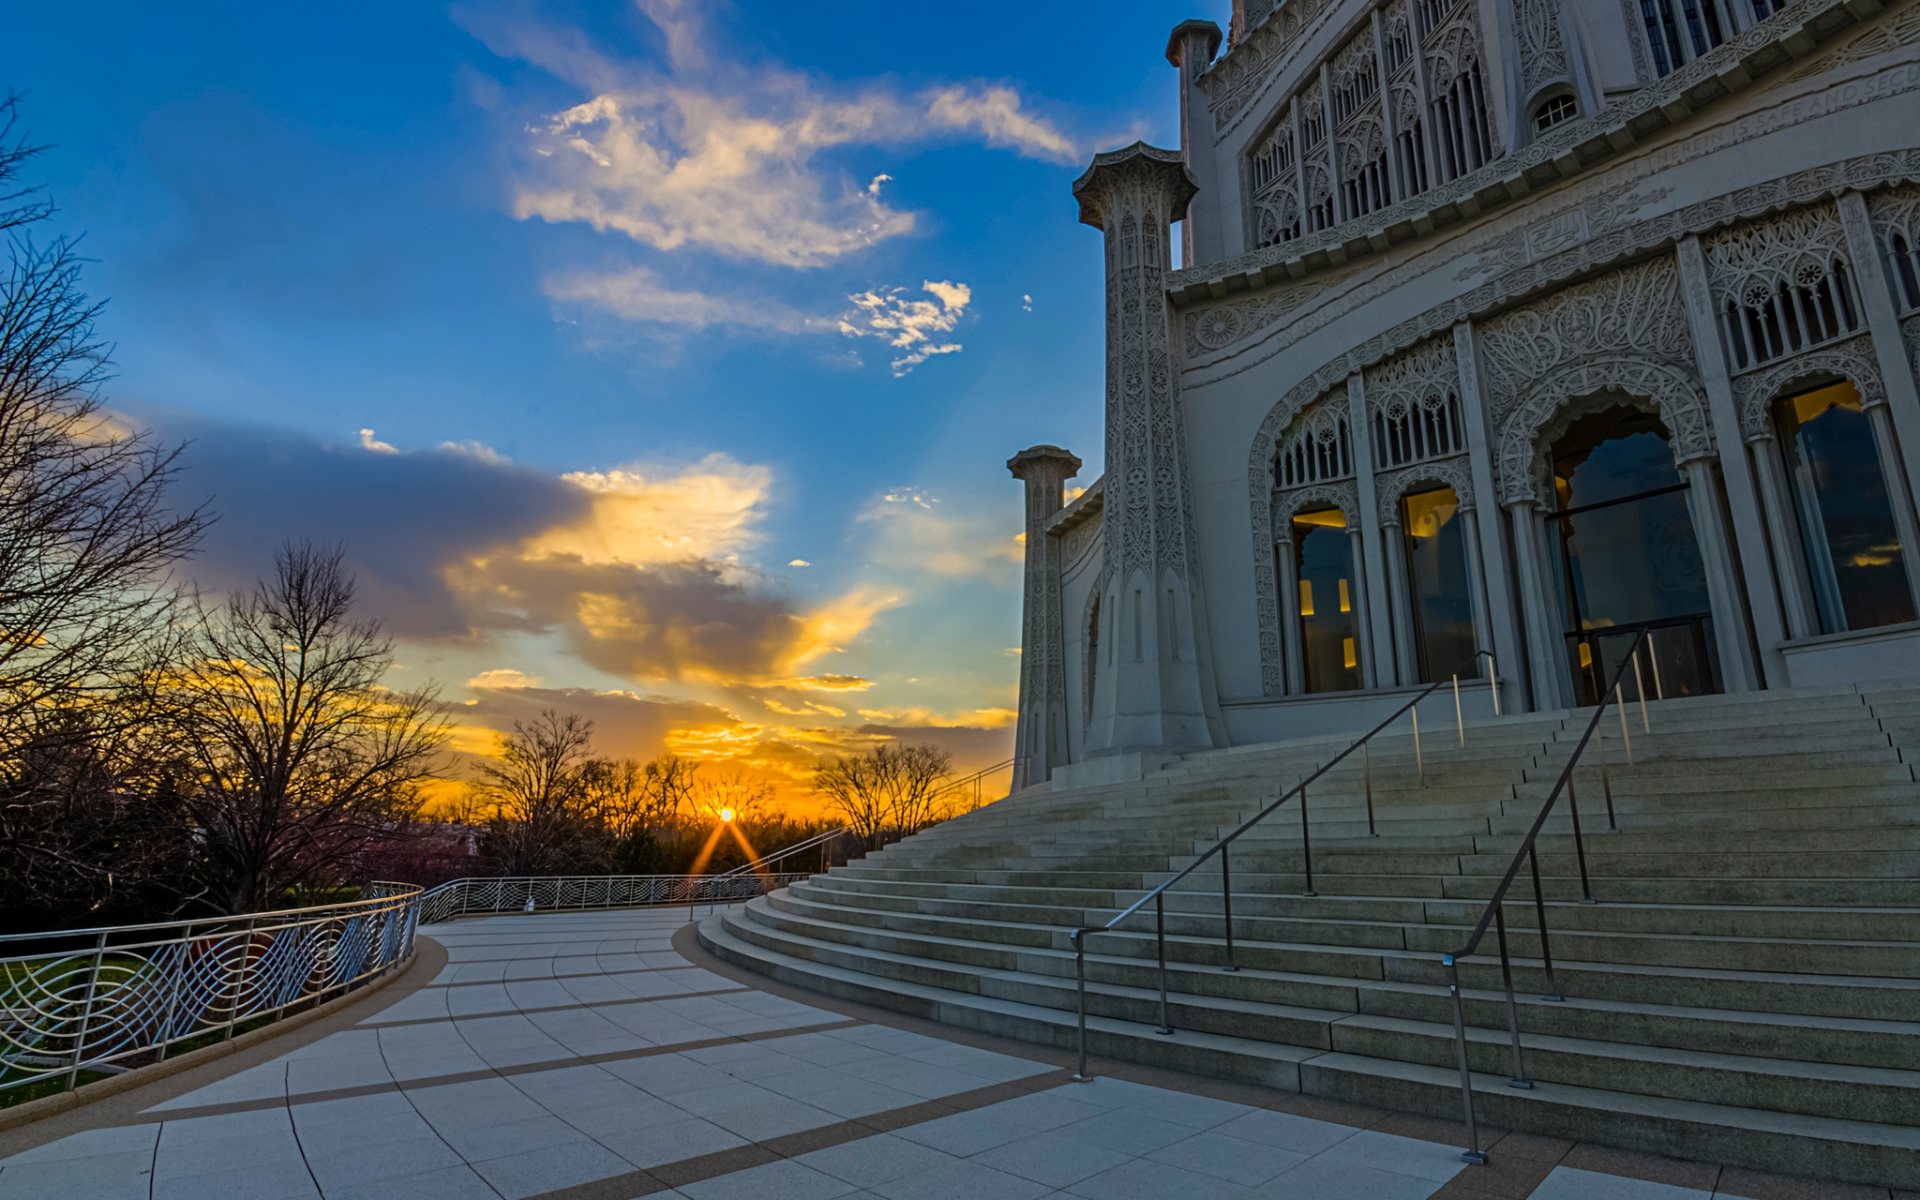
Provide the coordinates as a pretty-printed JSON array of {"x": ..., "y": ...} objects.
[
  {"x": 1158, "y": 894},
  {"x": 1495, "y": 914},
  {"x": 818, "y": 839},
  {"x": 108, "y": 999}
]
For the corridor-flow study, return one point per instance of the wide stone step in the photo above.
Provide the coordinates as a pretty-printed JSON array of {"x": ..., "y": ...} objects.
[{"x": 1851, "y": 1150}]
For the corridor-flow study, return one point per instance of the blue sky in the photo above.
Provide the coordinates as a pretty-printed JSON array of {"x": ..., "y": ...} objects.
[{"x": 641, "y": 304}]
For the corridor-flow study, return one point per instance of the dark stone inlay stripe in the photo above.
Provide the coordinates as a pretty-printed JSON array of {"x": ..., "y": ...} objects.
[{"x": 755, "y": 1154}]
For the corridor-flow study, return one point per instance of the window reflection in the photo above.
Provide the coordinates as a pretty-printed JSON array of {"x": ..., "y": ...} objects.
[
  {"x": 1846, "y": 521},
  {"x": 1437, "y": 574},
  {"x": 1329, "y": 626}
]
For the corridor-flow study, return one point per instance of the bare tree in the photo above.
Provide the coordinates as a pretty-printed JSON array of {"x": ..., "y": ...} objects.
[
  {"x": 630, "y": 798},
  {"x": 745, "y": 796},
  {"x": 86, "y": 537},
  {"x": 537, "y": 782},
  {"x": 889, "y": 787},
  {"x": 298, "y": 754}
]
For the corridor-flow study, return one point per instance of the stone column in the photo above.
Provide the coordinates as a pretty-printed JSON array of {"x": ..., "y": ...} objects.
[
  {"x": 1503, "y": 632},
  {"x": 1546, "y": 640},
  {"x": 1748, "y": 538},
  {"x": 1899, "y": 499},
  {"x": 1476, "y": 583},
  {"x": 1399, "y": 605},
  {"x": 1288, "y": 573},
  {"x": 1190, "y": 48},
  {"x": 1723, "y": 588},
  {"x": 1369, "y": 562},
  {"x": 1040, "y": 737},
  {"x": 1796, "y": 595},
  {"x": 1371, "y": 673},
  {"x": 1162, "y": 697}
]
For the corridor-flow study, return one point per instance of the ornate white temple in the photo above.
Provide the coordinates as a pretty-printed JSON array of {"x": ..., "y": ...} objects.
[{"x": 1505, "y": 330}]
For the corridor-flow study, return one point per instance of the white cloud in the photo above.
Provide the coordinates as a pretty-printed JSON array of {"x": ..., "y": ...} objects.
[
  {"x": 799, "y": 562},
  {"x": 640, "y": 295},
  {"x": 369, "y": 442},
  {"x": 642, "y": 515},
  {"x": 504, "y": 677},
  {"x": 728, "y": 156},
  {"x": 918, "y": 327}
]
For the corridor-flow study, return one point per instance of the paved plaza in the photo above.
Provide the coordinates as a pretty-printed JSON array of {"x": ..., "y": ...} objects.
[{"x": 584, "y": 1057}]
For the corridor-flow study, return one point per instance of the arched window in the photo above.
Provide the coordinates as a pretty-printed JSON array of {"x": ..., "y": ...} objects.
[
  {"x": 1460, "y": 119},
  {"x": 1415, "y": 432},
  {"x": 1854, "y": 556},
  {"x": 1680, "y": 31},
  {"x": 1329, "y": 620},
  {"x": 1552, "y": 111},
  {"x": 1436, "y": 551},
  {"x": 1318, "y": 453}
]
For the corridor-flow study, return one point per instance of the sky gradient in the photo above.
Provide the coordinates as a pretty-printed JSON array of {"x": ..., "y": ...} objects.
[{"x": 655, "y": 361}]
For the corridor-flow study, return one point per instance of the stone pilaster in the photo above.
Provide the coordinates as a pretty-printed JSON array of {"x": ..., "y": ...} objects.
[
  {"x": 1040, "y": 738},
  {"x": 1161, "y": 698}
]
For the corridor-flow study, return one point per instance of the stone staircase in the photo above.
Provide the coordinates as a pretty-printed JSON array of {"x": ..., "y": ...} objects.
[{"x": 1746, "y": 989}]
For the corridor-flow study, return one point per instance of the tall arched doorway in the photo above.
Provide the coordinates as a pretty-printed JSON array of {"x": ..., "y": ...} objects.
[{"x": 1628, "y": 558}]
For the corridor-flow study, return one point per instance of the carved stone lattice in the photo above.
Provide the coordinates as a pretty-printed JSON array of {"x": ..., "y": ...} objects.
[
  {"x": 1413, "y": 405},
  {"x": 1895, "y": 210},
  {"x": 1853, "y": 359},
  {"x": 1363, "y": 142},
  {"x": 1276, "y": 213},
  {"x": 1625, "y": 331},
  {"x": 1757, "y": 256},
  {"x": 1543, "y": 52},
  {"x": 1393, "y": 486},
  {"x": 1315, "y": 448},
  {"x": 1343, "y": 496},
  {"x": 1910, "y": 333},
  {"x": 1453, "y": 50}
]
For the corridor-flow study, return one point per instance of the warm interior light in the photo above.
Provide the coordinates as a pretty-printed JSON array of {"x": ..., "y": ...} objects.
[
  {"x": 1586, "y": 655},
  {"x": 1306, "y": 597},
  {"x": 1346, "y": 605},
  {"x": 726, "y": 814},
  {"x": 1346, "y": 649}
]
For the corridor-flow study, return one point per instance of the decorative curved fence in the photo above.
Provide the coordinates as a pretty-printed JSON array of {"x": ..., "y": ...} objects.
[
  {"x": 105, "y": 1000},
  {"x": 499, "y": 894}
]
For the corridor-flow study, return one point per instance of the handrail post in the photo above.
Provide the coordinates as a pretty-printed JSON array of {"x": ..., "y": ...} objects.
[
  {"x": 1493, "y": 682},
  {"x": 1080, "y": 974},
  {"x": 1459, "y": 718},
  {"x": 1540, "y": 914},
  {"x": 1306, "y": 843},
  {"x": 1226, "y": 902},
  {"x": 1472, "y": 1154},
  {"x": 1419, "y": 763},
  {"x": 86, "y": 1011},
  {"x": 1653, "y": 660},
  {"x": 1640, "y": 689},
  {"x": 1160, "y": 930},
  {"x": 173, "y": 1000},
  {"x": 1519, "y": 1078},
  {"x": 1366, "y": 774},
  {"x": 1626, "y": 737},
  {"x": 1606, "y": 785},
  {"x": 1579, "y": 843}
]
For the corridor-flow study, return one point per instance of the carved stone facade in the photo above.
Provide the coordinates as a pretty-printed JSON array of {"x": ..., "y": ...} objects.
[{"x": 1423, "y": 279}]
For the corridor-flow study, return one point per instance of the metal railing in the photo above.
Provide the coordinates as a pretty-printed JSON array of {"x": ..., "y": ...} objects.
[
  {"x": 1158, "y": 894},
  {"x": 1495, "y": 914},
  {"x": 108, "y": 999},
  {"x": 528, "y": 893},
  {"x": 818, "y": 841}
]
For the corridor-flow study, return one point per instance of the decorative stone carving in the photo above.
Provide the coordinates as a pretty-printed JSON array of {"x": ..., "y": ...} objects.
[
  {"x": 1901, "y": 28},
  {"x": 1626, "y": 330},
  {"x": 1910, "y": 333},
  {"x": 1424, "y": 376},
  {"x": 1392, "y": 486},
  {"x": 1543, "y": 53},
  {"x": 1755, "y": 391},
  {"x": 1256, "y": 59},
  {"x": 1756, "y": 256},
  {"x": 1344, "y": 496},
  {"x": 1215, "y": 328}
]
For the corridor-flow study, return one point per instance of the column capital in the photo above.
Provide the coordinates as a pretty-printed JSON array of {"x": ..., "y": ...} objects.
[
  {"x": 1140, "y": 171},
  {"x": 1184, "y": 35},
  {"x": 1035, "y": 459}
]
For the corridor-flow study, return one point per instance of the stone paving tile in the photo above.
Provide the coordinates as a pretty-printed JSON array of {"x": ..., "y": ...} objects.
[
  {"x": 1144, "y": 1179},
  {"x": 1236, "y": 1161},
  {"x": 872, "y": 1161},
  {"x": 1570, "y": 1183},
  {"x": 1052, "y": 1159}
]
